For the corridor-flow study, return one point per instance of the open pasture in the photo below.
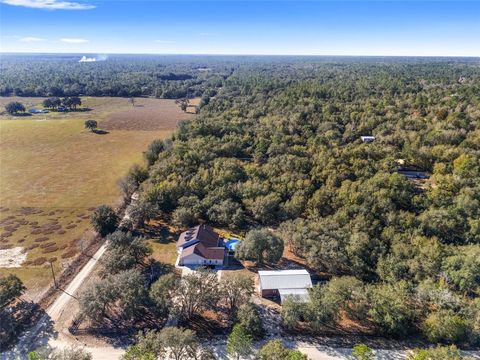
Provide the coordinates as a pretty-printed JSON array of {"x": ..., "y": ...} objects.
[
  {"x": 53, "y": 173},
  {"x": 153, "y": 114}
]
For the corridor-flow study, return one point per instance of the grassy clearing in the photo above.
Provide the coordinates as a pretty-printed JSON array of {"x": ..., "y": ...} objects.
[
  {"x": 53, "y": 173},
  {"x": 162, "y": 237},
  {"x": 192, "y": 105},
  {"x": 166, "y": 253}
]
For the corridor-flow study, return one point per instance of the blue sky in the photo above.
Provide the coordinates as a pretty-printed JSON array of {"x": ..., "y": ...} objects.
[{"x": 423, "y": 28}]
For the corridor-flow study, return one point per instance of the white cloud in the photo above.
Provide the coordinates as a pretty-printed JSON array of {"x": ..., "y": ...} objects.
[
  {"x": 31, "y": 39},
  {"x": 164, "y": 41},
  {"x": 49, "y": 4},
  {"x": 73, "y": 40}
]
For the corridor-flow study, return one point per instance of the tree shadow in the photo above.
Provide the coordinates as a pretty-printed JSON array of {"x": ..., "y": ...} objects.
[
  {"x": 33, "y": 327},
  {"x": 100, "y": 132},
  {"x": 204, "y": 326},
  {"x": 118, "y": 336},
  {"x": 232, "y": 263},
  {"x": 115, "y": 330},
  {"x": 81, "y": 110},
  {"x": 333, "y": 340},
  {"x": 25, "y": 114},
  {"x": 155, "y": 269},
  {"x": 159, "y": 232}
]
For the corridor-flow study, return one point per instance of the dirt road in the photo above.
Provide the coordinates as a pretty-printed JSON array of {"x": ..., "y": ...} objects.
[
  {"x": 41, "y": 333},
  {"x": 55, "y": 310}
]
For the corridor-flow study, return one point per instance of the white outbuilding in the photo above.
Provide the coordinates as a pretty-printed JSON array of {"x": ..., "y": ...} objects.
[
  {"x": 285, "y": 283},
  {"x": 367, "y": 139}
]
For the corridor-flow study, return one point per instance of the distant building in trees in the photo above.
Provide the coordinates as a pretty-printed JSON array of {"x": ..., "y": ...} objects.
[
  {"x": 367, "y": 139},
  {"x": 410, "y": 171}
]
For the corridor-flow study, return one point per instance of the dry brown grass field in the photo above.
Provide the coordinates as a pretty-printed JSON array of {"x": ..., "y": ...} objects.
[{"x": 53, "y": 173}]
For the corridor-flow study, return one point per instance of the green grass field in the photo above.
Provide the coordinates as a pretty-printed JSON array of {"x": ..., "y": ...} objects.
[{"x": 53, "y": 172}]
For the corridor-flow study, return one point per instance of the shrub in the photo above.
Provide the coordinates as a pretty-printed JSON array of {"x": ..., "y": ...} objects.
[
  {"x": 437, "y": 353},
  {"x": 239, "y": 342},
  {"x": 91, "y": 125},
  {"x": 362, "y": 352},
  {"x": 276, "y": 350},
  {"x": 248, "y": 317},
  {"x": 104, "y": 220},
  {"x": 444, "y": 326},
  {"x": 292, "y": 312}
]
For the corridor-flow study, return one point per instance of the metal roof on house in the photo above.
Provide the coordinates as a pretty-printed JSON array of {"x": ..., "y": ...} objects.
[{"x": 284, "y": 279}]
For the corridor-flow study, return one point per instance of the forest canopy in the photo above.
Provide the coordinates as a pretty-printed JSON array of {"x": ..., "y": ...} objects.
[
  {"x": 170, "y": 77},
  {"x": 278, "y": 144}
]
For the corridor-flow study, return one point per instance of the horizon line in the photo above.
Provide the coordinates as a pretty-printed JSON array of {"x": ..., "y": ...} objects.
[{"x": 229, "y": 54}]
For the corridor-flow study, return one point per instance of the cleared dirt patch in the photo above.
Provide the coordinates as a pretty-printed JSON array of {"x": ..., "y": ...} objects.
[
  {"x": 148, "y": 115},
  {"x": 12, "y": 258}
]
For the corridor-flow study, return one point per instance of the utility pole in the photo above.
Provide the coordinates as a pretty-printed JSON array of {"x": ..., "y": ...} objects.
[{"x": 53, "y": 274}]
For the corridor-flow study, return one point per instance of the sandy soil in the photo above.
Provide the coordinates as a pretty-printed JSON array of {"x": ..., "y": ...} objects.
[{"x": 12, "y": 258}]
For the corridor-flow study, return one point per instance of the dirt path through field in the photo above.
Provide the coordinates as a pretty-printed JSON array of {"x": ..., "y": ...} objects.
[{"x": 37, "y": 336}]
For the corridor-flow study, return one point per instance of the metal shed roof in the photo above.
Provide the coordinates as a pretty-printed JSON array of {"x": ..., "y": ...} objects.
[
  {"x": 297, "y": 294},
  {"x": 284, "y": 279}
]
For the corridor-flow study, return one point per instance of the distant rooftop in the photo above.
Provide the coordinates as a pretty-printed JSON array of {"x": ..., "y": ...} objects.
[{"x": 367, "y": 138}]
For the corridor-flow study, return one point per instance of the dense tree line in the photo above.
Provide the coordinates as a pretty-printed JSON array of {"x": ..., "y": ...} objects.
[
  {"x": 170, "y": 77},
  {"x": 279, "y": 146}
]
